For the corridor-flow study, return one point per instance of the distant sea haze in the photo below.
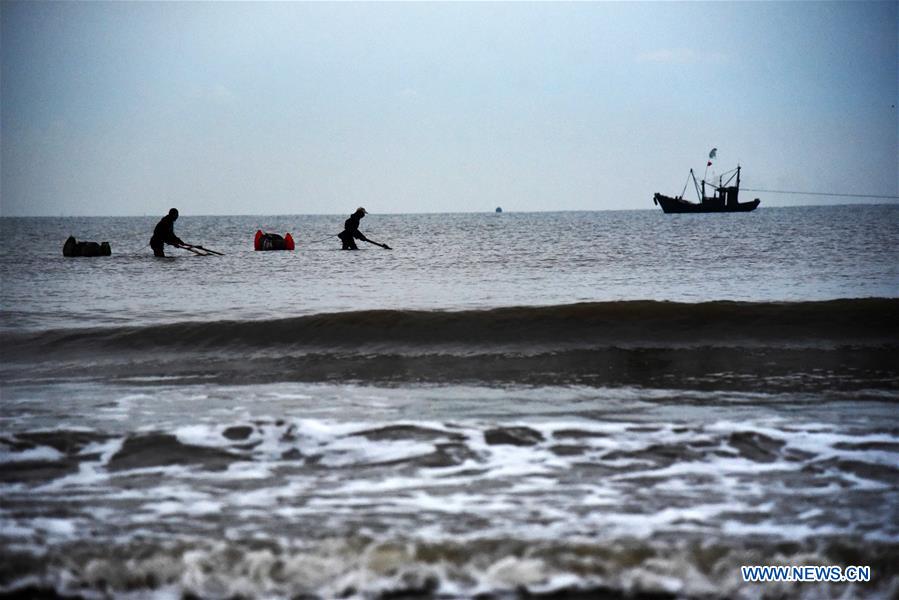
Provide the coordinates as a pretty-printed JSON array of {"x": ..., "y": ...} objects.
[{"x": 505, "y": 405}]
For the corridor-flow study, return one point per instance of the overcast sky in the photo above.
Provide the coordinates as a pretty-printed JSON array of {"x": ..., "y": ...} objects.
[{"x": 281, "y": 108}]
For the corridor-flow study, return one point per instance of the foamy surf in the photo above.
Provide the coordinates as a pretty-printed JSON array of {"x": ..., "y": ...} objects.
[{"x": 303, "y": 491}]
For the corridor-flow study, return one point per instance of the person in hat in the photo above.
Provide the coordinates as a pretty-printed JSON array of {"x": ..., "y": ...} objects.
[
  {"x": 165, "y": 233},
  {"x": 351, "y": 231}
]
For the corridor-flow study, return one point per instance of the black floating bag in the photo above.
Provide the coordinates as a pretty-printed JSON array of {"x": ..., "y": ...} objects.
[
  {"x": 70, "y": 248},
  {"x": 272, "y": 241},
  {"x": 73, "y": 247}
]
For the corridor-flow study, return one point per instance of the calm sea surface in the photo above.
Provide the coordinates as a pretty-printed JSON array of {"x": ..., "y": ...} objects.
[
  {"x": 449, "y": 261},
  {"x": 505, "y": 405}
]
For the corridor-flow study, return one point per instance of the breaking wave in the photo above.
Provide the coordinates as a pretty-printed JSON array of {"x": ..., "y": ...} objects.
[
  {"x": 841, "y": 344},
  {"x": 623, "y": 323}
]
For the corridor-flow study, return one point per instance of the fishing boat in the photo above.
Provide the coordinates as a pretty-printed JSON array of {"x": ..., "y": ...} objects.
[{"x": 724, "y": 198}]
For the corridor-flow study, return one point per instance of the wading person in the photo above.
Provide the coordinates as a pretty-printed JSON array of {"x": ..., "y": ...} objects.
[
  {"x": 165, "y": 233},
  {"x": 351, "y": 232}
]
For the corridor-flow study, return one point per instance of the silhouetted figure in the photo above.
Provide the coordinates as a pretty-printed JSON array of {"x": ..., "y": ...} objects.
[
  {"x": 351, "y": 231},
  {"x": 165, "y": 233}
]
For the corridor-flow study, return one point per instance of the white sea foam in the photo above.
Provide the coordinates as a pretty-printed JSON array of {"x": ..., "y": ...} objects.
[
  {"x": 195, "y": 506},
  {"x": 90, "y": 473},
  {"x": 356, "y": 450},
  {"x": 12, "y": 528},
  {"x": 40, "y": 453},
  {"x": 58, "y": 528},
  {"x": 779, "y": 529}
]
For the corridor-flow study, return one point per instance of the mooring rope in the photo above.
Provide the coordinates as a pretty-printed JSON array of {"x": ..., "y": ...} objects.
[{"x": 822, "y": 194}]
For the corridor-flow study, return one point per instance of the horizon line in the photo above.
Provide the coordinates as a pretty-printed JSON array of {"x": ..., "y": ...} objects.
[{"x": 473, "y": 212}]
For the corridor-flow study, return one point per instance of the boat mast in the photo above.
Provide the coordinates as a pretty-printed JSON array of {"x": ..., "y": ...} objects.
[{"x": 696, "y": 185}]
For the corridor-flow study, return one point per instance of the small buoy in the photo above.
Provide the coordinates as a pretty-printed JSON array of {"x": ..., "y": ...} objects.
[{"x": 499, "y": 209}]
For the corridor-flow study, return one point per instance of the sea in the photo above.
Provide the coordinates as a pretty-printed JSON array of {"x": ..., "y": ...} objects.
[{"x": 613, "y": 404}]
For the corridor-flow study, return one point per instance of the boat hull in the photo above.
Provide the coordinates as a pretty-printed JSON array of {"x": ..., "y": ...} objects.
[{"x": 679, "y": 205}]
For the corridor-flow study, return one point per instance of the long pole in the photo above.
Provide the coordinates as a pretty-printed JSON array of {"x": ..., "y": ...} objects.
[{"x": 385, "y": 246}]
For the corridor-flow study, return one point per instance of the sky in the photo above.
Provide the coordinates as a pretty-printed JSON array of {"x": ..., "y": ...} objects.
[{"x": 127, "y": 108}]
